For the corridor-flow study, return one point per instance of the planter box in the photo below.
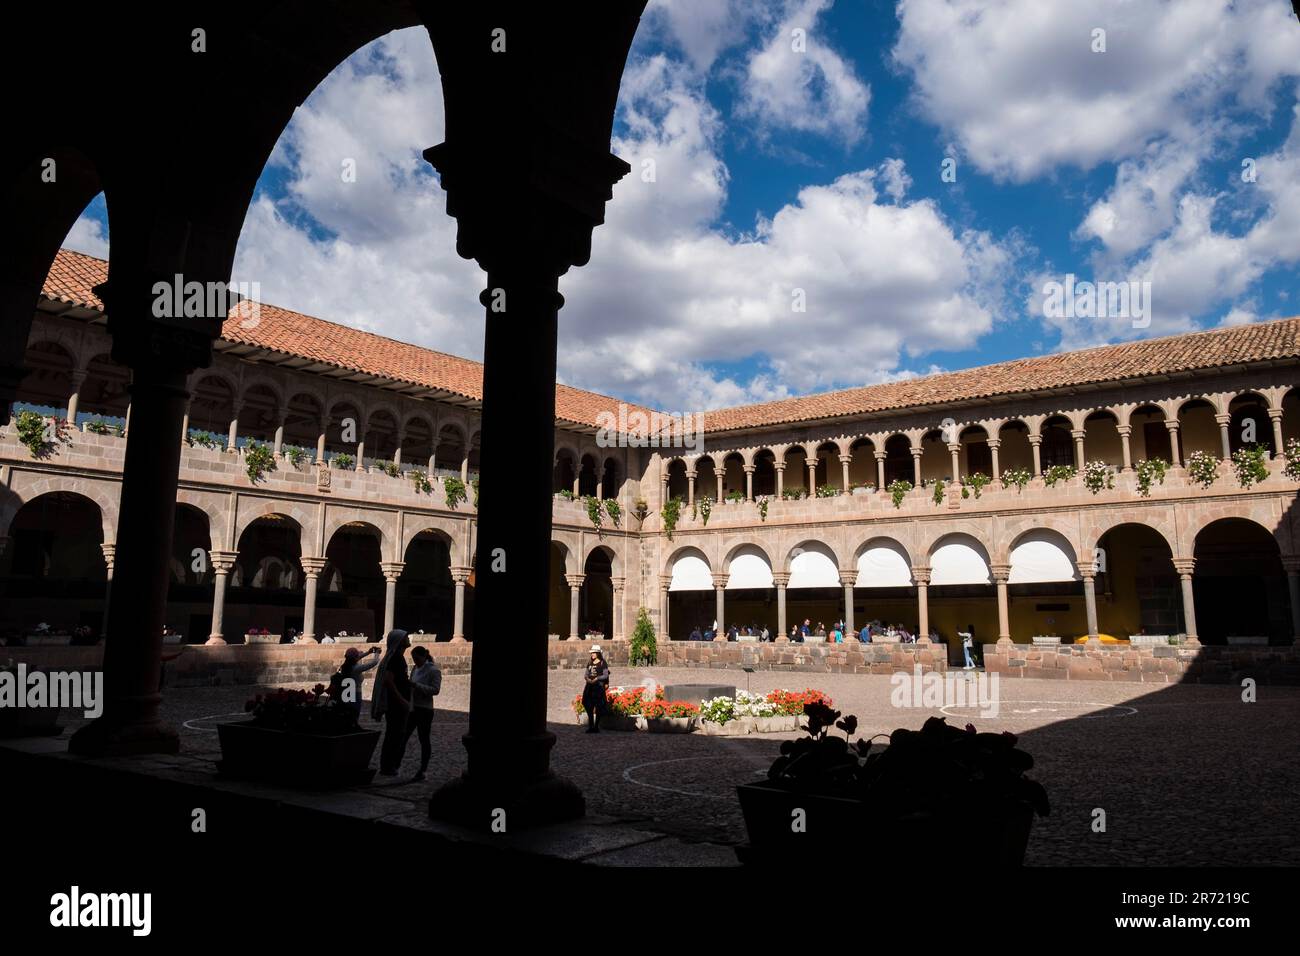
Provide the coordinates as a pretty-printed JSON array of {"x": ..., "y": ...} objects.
[
  {"x": 353, "y": 639},
  {"x": 1247, "y": 640},
  {"x": 621, "y": 722},
  {"x": 48, "y": 640},
  {"x": 862, "y": 491},
  {"x": 30, "y": 721},
  {"x": 776, "y": 725},
  {"x": 670, "y": 725},
  {"x": 173, "y": 638},
  {"x": 845, "y": 829},
  {"x": 1045, "y": 641},
  {"x": 262, "y": 638},
  {"x": 884, "y": 639},
  {"x": 300, "y": 760},
  {"x": 732, "y": 728},
  {"x": 1148, "y": 640}
]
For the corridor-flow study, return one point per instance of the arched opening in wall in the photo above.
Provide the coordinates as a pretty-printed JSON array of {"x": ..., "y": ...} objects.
[
  {"x": 764, "y": 473},
  {"x": 678, "y": 485},
  {"x": 814, "y": 596},
  {"x": 1137, "y": 587},
  {"x": 190, "y": 589},
  {"x": 975, "y": 456},
  {"x": 884, "y": 594},
  {"x": 936, "y": 459},
  {"x": 381, "y": 437},
  {"x": 829, "y": 472},
  {"x": 750, "y": 599},
  {"x": 796, "y": 470},
  {"x": 610, "y": 478},
  {"x": 47, "y": 386},
  {"x": 344, "y": 431},
  {"x": 962, "y": 594},
  {"x": 259, "y": 415},
  {"x": 596, "y": 599},
  {"x": 1101, "y": 440},
  {"x": 1057, "y": 450},
  {"x": 588, "y": 476},
  {"x": 302, "y": 426},
  {"x": 449, "y": 459},
  {"x": 426, "y": 595},
  {"x": 265, "y": 589},
  {"x": 733, "y": 475},
  {"x": 103, "y": 399},
  {"x": 1197, "y": 429},
  {"x": 354, "y": 601},
  {"x": 1015, "y": 453},
  {"x": 1149, "y": 439},
  {"x": 1239, "y": 584},
  {"x": 862, "y": 467},
  {"x": 471, "y": 457},
  {"x": 692, "y": 605},
  {"x": 417, "y": 443},
  {"x": 565, "y": 472},
  {"x": 561, "y": 599},
  {"x": 1290, "y": 416},
  {"x": 706, "y": 478},
  {"x": 1249, "y": 425},
  {"x": 898, "y": 460},
  {"x": 53, "y": 571},
  {"x": 1045, "y": 589},
  {"x": 212, "y": 403}
]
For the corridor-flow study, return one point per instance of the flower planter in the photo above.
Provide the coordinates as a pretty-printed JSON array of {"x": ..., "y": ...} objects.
[
  {"x": 738, "y": 727},
  {"x": 353, "y": 639},
  {"x": 775, "y": 725},
  {"x": 1148, "y": 640},
  {"x": 621, "y": 722},
  {"x": 261, "y": 638},
  {"x": 670, "y": 725},
  {"x": 47, "y": 640},
  {"x": 297, "y": 759},
  {"x": 30, "y": 721},
  {"x": 173, "y": 638},
  {"x": 1045, "y": 641}
]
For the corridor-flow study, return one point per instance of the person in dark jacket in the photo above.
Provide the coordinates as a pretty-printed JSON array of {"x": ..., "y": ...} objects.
[
  {"x": 593, "y": 692},
  {"x": 391, "y": 701}
]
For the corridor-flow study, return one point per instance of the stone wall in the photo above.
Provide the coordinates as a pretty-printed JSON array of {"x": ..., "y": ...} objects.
[{"x": 1158, "y": 664}]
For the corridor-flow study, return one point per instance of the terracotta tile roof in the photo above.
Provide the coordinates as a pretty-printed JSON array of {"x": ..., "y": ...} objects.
[
  {"x": 1257, "y": 342},
  {"x": 74, "y": 274},
  {"x": 291, "y": 333}
]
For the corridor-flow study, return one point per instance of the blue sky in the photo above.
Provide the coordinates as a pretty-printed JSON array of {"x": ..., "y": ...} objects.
[{"x": 797, "y": 147}]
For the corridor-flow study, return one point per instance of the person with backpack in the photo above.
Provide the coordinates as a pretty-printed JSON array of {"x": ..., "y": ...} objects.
[
  {"x": 426, "y": 683},
  {"x": 345, "y": 683}
]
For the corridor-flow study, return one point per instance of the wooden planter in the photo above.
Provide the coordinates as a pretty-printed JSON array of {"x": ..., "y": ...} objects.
[
  {"x": 299, "y": 760},
  {"x": 670, "y": 725},
  {"x": 30, "y": 722},
  {"x": 845, "y": 829}
]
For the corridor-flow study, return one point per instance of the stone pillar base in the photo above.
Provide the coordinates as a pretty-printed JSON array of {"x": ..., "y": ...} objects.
[
  {"x": 109, "y": 736},
  {"x": 307, "y": 639},
  {"x": 1004, "y": 641},
  {"x": 719, "y": 638},
  {"x": 924, "y": 639},
  {"x": 459, "y": 639},
  {"x": 782, "y": 640},
  {"x": 1192, "y": 641},
  {"x": 215, "y": 639}
]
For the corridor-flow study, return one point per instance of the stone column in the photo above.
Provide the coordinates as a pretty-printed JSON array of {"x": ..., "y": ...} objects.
[
  {"x": 1279, "y": 447},
  {"x": 847, "y": 580},
  {"x": 690, "y": 489},
  {"x": 719, "y": 589},
  {"x": 880, "y": 471},
  {"x": 1292, "y": 565},
  {"x": 663, "y": 486},
  {"x": 1036, "y": 446},
  {"x": 665, "y": 581},
  {"x": 397, "y": 452},
  {"x": 185, "y": 423},
  {"x": 812, "y": 476},
  {"x": 126, "y": 425},
  {"x": 278, "y": 445},
  {"x": 617, "y": 624},
  {"x": 392, "y": 570},
  {"x": 223, "y": 562},
  {"x": 361, "y": 453},
  {"x": 994, "y": 444},
  {"x": 916, "y": 466},
  {"x": 719, "y": 474},
  {"x": 1125, "y": 433},
  {"x": 954, "y": 449},
  {"x": 1088, "y": 571},
  {"x": 460, "y": 578},
  {"x": 781, "y": 579},
  {"x": 1185, "y": 567},
  {"x": 844, "y": 469},
  {"x": 320, "y": 442},
  {"x": 922, "y": 578},
  {"x": 311, "y": 569},
  {"x": 1001, "y": 573},
  {"x": 1174, "y": 451},
  {"x": 575, "y": 595},
  {"x": 749, "y": 482},
  {"x": 108, "y": 551},
  {"x": 75, "y": 379},
  {"x": 779, "y": 467},
  {"x": 232, "y": 436},
  {"x": 1079, "y": 459},
  {"x": 1224, "y": 421}
]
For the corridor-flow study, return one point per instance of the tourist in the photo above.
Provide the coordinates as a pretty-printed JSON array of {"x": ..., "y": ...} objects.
[
  {"x": 349, "y": 695},
  {"x": 806, "y": 630},
  {"x": 733, "y": 634},
  {"x": 864, "y": 635},
  {"x": 836, "y": 636},
  {"x": 967, "y": 642},
  {"x": 593, "y": 692},
  {"x": 426, "y": 683},
  {"x": 766, "y": 635},
  {"x": 821, "y": 629},
  {"x": 391, "y": 702},
  {"x": 795, "y": 635},
  {"x": 695, "y": 634}
]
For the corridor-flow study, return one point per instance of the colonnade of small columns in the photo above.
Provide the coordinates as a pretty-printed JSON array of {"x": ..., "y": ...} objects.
[{"x": 575, "y": 582}]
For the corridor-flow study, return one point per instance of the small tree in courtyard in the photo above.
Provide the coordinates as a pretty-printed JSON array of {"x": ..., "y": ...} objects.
[{"x": 642, "y": 649}]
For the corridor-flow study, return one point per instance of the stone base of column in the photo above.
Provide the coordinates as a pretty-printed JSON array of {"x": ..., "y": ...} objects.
[
  {"x": 573, "y": 637},
  {"x": 307, "y": 639},
  {"x": 1192, "y": 641},
  {"x": 459, "y": 639},
  {"x": 215, "y": 639},
  {"x": 782, "y": 640},
  {"x": 720, "y": 638},
  {"x": 516, "y": 780},
  {"x": 118, "y": 735},
  {"x": 1004, "y": 640},
  {"x": 924, "y": 639}
]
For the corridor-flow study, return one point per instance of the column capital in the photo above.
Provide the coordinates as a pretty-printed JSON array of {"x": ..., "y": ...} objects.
[
  {"x": 918, "y": 452},
  {"x": 392, "y": 570},
  {"x": 1035, "y": 439},
  {"x": 1124, "y": 430},
  {"x": 778, "y": 465},
  {"x": 223, "y": 561},
  {"x": 692, "y": 474},
  {"x": 1077, "y": 433},
  {"x": 954, "y": 446},
  {"x": 1171, "y": 424},
  {"x": 1087, "y": 569},
  {"x": 881, "y": 456},
  {"x": 1184, "y": 566},
  {"x": 460, "y": 575},
  {"x": 575, "y": 580},
  {"x": 848, "y": 578},
  {"x": 1275, "y": 414},
  {"x": 618, "y": 581},
  {"x": 1000, "y": 572},
  {"x": 921, "y": 575},
  {"x": 665, "y": 580},
  {"x": 845, "y": 459},
  {"x": 720, "y": 580},
  {"x": 750, "y": 469},
  {"x": 109, "y": 551},
  {"x": 312, "y": 566},
  {"x": 1223, "y": 419},
  {"x": 994, "y": 443},
  {"x": 781, "y": 578}
]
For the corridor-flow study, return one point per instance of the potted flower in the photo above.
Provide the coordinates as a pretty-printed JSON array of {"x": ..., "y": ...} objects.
[
  {"x": 301, "y": 737},
  {"x": 789, "y": 707},
  {"x": 718, "y": 718},
  {"x": 256, "y": 635},
  {"x": 902, "y": 801},
  {"x": 669, "y": 716},
  {"x": 622, "y": 709}
]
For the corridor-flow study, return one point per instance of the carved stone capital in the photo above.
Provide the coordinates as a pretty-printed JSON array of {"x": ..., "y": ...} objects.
[
  {"x": 575, "y": 580},
  {"x": 720, "y": 580},
  {"x": 781, "y": 578},
  {"x": 460, "y": 575},
  {"x": 223, "y": 561},
  {"x": 392, "y": 570},
  {"x": 312, "y": 567},
  {"x": 1000, "y": 572},
  {"x": 921, "y": 575},
  {"x": 1184, "y": 566}
]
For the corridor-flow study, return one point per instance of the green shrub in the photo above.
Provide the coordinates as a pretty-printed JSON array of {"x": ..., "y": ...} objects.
[{"x": 643, "y": 649}]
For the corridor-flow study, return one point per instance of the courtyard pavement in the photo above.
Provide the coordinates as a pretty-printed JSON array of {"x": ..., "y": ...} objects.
[{"x": 1186, "y": 774}]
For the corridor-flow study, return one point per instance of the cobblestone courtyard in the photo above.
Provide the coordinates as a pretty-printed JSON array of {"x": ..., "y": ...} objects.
[{"x": 1187, "y": 774}]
